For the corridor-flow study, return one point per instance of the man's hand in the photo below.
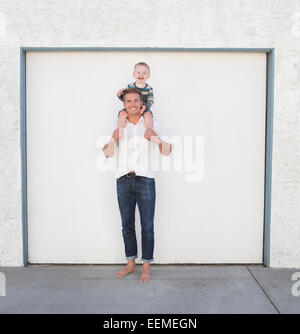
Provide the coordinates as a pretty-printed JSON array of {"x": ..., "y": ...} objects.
[
  {"x": 109, "y": 148},
  {"x": 164, "y": 148},
  {"x": 106, "y": 151},
  {"x": 120, "y": 92},
  {"x": 150, "y": 133}
]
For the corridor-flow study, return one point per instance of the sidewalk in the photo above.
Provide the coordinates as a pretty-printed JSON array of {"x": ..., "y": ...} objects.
[{"x": 173, "y": 289}]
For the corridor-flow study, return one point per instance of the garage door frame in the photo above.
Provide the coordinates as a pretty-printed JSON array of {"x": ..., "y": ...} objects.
[{"x": 270, "y": 53}]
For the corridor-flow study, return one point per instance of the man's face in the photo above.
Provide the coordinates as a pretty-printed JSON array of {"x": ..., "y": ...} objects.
[
  {"x": 141, "y": 73},
  {"x": 132, "y": 103}
]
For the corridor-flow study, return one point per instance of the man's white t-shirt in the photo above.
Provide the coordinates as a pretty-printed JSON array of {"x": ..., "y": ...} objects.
[{"x": 136, "y": 153}]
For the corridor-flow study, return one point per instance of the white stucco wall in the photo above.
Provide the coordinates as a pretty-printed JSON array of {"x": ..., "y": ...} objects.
[{"x": 161, "y": 23}]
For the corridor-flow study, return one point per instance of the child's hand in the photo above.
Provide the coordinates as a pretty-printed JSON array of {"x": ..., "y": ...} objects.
[
  {"x": 151, "y": 135},
  {"x": 120, "y": 92},
  {"x": 142, "y": 109}
]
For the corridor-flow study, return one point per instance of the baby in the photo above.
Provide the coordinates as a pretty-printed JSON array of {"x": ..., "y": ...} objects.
[{"x": 141, "y": 73}]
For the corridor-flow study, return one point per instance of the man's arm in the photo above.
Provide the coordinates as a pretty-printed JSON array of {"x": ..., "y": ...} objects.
[
  {"x": 109, "y": 148},
  {"x": 164, "y": 147}
]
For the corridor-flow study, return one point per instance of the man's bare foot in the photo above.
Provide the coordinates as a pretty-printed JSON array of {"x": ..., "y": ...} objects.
[
  {"x": 129, "y": 268},
  {"x": 145, "y": 274}
]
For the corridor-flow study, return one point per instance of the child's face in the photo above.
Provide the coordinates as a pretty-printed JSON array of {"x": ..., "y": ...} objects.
[{"x": 141, "y": 73}]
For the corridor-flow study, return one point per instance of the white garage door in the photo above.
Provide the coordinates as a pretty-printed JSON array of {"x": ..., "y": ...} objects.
[{"x": 208, "y": 211}]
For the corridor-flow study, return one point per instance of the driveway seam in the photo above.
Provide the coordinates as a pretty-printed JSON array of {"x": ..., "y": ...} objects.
[{"x": 263, "y": 290}]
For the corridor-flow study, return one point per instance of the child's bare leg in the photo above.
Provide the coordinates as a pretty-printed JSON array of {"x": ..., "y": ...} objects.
[
  {"x": 148, "y": 120},
  {"x": 122, "y": 122}
]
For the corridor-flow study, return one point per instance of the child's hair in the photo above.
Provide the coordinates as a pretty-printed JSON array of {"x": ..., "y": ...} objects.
[
  {"x": 131, "y": 91},
  {"x": 142, "y": 64}
]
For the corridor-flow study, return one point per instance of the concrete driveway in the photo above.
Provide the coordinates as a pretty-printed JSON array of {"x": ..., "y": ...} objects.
[{"x": 174, "y": 289}]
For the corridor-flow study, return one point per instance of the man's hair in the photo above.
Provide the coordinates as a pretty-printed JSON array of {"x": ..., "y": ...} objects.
[
  {"x": 142, "y": 64},
  {"x": 131, "y": 91}
]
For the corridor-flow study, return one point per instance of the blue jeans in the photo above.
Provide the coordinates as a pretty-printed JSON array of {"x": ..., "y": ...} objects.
[{"x": 140, "y": 190}]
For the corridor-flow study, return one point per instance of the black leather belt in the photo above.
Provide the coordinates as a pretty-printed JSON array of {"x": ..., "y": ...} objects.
[{"x": 131, "y": 174}]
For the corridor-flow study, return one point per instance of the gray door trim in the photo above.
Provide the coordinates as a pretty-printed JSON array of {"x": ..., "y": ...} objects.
[{"x": 268, "y": 131}]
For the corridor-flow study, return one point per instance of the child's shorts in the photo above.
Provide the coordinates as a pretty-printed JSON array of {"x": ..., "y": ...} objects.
[{"x": 147, "y": 110}]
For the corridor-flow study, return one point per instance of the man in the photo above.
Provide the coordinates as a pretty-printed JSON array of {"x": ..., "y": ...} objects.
[{"x": 135, "y": 181}]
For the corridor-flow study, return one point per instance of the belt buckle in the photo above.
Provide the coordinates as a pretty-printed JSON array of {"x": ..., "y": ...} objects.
[{"x": 131, "y": 174}]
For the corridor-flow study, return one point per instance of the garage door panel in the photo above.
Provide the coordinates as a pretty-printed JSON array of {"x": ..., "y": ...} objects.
[{"x": 73, "y": 215}]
